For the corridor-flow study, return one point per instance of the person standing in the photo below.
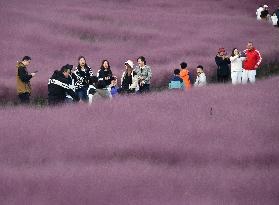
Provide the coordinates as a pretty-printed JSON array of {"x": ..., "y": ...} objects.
[
  {"x": 259, "y": 12},
  {"x": 251, "y": 64},
  {"x": 23, "y": 78},
  {"x": 236, "y": 66},
  {"x": 185, "y": 75},
  {"x": 104, "y": 74},
  {"x": 82, "y": 76},
  {"x": 144, "y": 74},
  {"x": 129, "y": 79},
  {"x": 223, "y": 69}
]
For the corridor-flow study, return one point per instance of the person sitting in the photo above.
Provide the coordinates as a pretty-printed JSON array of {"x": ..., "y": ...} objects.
[
  {"x": 265, "y": 13},
  {"x": 274, "y": 19},
  {"x": 113, "y": 86},
  {"x": 58, "y": 86},
  {"x": 201, "y": 78},
  {"x": 129, "y": 79},
  {"x": 176, "y": 81}
]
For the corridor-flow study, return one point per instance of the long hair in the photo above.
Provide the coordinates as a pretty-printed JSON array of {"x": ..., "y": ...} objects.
[
  {"x": 233, "y": 52},
  {"x": 102, "y": 65},
  {"x": 85, "y": 65}
]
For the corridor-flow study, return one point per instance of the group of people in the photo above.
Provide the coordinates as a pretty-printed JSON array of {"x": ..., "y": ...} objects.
[
  {"x": 243, "y": 65},
  {"x": 73, "y": 84},
  {"x": 262, "y": 13}
]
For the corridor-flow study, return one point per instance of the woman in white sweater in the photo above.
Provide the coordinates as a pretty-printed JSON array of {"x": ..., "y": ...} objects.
[{"x": 236, "y": 66}]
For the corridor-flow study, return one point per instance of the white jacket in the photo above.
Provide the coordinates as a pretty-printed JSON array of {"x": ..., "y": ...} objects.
[
  {"x": 236, "y": 63},
  {"x": 274, "y": 20},
  {"x": 201, "y": 80}
]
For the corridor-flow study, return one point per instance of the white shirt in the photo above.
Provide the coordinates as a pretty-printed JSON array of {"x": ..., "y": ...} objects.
[
  {"x": 274, "y": 20},
  {"x": 236, "y": 63},
  {"x": 201, "y": 80}
]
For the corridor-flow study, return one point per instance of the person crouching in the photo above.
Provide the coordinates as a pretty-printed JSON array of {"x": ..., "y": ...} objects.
[{"x": 58, "y": 86}]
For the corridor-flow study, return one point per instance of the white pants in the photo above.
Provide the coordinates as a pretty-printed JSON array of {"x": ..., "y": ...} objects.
[
  {"x": 236, "y": 77},
  {"x": 248, "y": 74}
]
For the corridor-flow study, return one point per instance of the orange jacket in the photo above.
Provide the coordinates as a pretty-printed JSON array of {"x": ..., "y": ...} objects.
[{"x": 184, "y": 74}]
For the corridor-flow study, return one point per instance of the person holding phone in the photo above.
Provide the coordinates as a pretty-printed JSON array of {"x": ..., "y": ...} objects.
[
  {"x": 23, "y": 78},
  {"x": 236, "y": 59},
  {"x": 223, "y": 69}
]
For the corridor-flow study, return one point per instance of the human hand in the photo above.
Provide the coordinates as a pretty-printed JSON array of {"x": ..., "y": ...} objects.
[{"x": 33, "y": 74}]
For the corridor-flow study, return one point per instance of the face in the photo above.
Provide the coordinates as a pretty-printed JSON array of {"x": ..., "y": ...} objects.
[
  {"x": 235, "y": 52},
  {"x": 140, "y": 62},
  {"x": 199, "y": 71},
  {"x": 26, "y": 63},
  {"x": 128, "y": 68},
  {"x": 114, "y": 82},
  {"x": 222, "y": 53},
  {"x": 105, "y": 64},
  {"x": 250, "y": 46},
  {"x": 82, "y": 62},
  {"x": 66, "y": 73}
]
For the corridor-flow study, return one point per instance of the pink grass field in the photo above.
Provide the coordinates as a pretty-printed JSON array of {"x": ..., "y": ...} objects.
[
  {"x": 163, "y": 148},
  {"x": 55, "y": 33},
  {"x": 216, "y": 145}
]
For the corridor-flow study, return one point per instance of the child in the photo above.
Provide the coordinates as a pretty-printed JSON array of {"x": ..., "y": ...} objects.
[
  {"x": 201, "y": 78},
  {"x": 176, "y": 82},
  {"x": 113, "y": 86}
]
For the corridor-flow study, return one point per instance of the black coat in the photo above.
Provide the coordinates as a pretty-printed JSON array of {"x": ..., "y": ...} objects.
[
  {"x": 58, "y": 86},
  {"x": 223, "y": 68},
  {"x": 102, "y": 74}
]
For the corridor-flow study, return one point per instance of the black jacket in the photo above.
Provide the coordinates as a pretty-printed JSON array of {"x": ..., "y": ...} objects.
[
  {"x": 82, "y": 78},
  {"x": 102, "y": 74},
  {"x": 223, "y": 66},
  {"x": 58, "y": 86}
]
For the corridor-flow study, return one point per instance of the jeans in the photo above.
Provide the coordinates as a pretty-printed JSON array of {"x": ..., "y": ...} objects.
[{"x": 82, "y": 93}]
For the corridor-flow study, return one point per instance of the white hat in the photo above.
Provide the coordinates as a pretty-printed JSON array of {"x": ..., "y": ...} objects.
[
  {"x": 266, "y": 6},
  {"x": 130, "y": 63}
]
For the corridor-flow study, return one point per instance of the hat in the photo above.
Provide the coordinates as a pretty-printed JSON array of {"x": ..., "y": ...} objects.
[
  {"x": 130, "y": 63},
  {"x": 221, "y": 50},
  {"x": 265, "y": 6}
]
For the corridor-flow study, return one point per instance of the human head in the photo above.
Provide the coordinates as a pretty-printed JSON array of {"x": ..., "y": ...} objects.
[
  {"x": 221, "y": 51},
  {"x": 66, "y": 70},
  {"x": 141, "y": 61},
  {"x": 105, "y": 65},
  {"x": 81, "y": 61},
  {"x": 114, "y": 80},
  {"x": 183, "y": 65},
  {"x": 129, "y": 65},
  {"x": 235, "y": 52},
  {"x": 199, "y": 69},
  {"x": 176, "y": 71},
  {"x": 250, "y": 45},
  {"x": 265, "y": 7},
  {"x": 26, "y": 60}
]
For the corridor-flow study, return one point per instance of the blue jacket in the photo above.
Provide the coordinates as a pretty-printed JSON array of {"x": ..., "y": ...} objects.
[{"x": 176, "y": 83}]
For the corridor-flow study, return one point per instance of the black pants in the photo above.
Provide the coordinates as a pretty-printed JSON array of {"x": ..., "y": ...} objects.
[
  {"x": 24, "y": 98},
  {"x": 144, "y": 88},
  {"x": 223, "y": 78}
]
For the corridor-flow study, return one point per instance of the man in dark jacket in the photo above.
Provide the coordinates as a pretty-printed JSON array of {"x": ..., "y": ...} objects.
[
  {"x": 58, "y": 86},
  {"x": 23, "y": 78}
]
